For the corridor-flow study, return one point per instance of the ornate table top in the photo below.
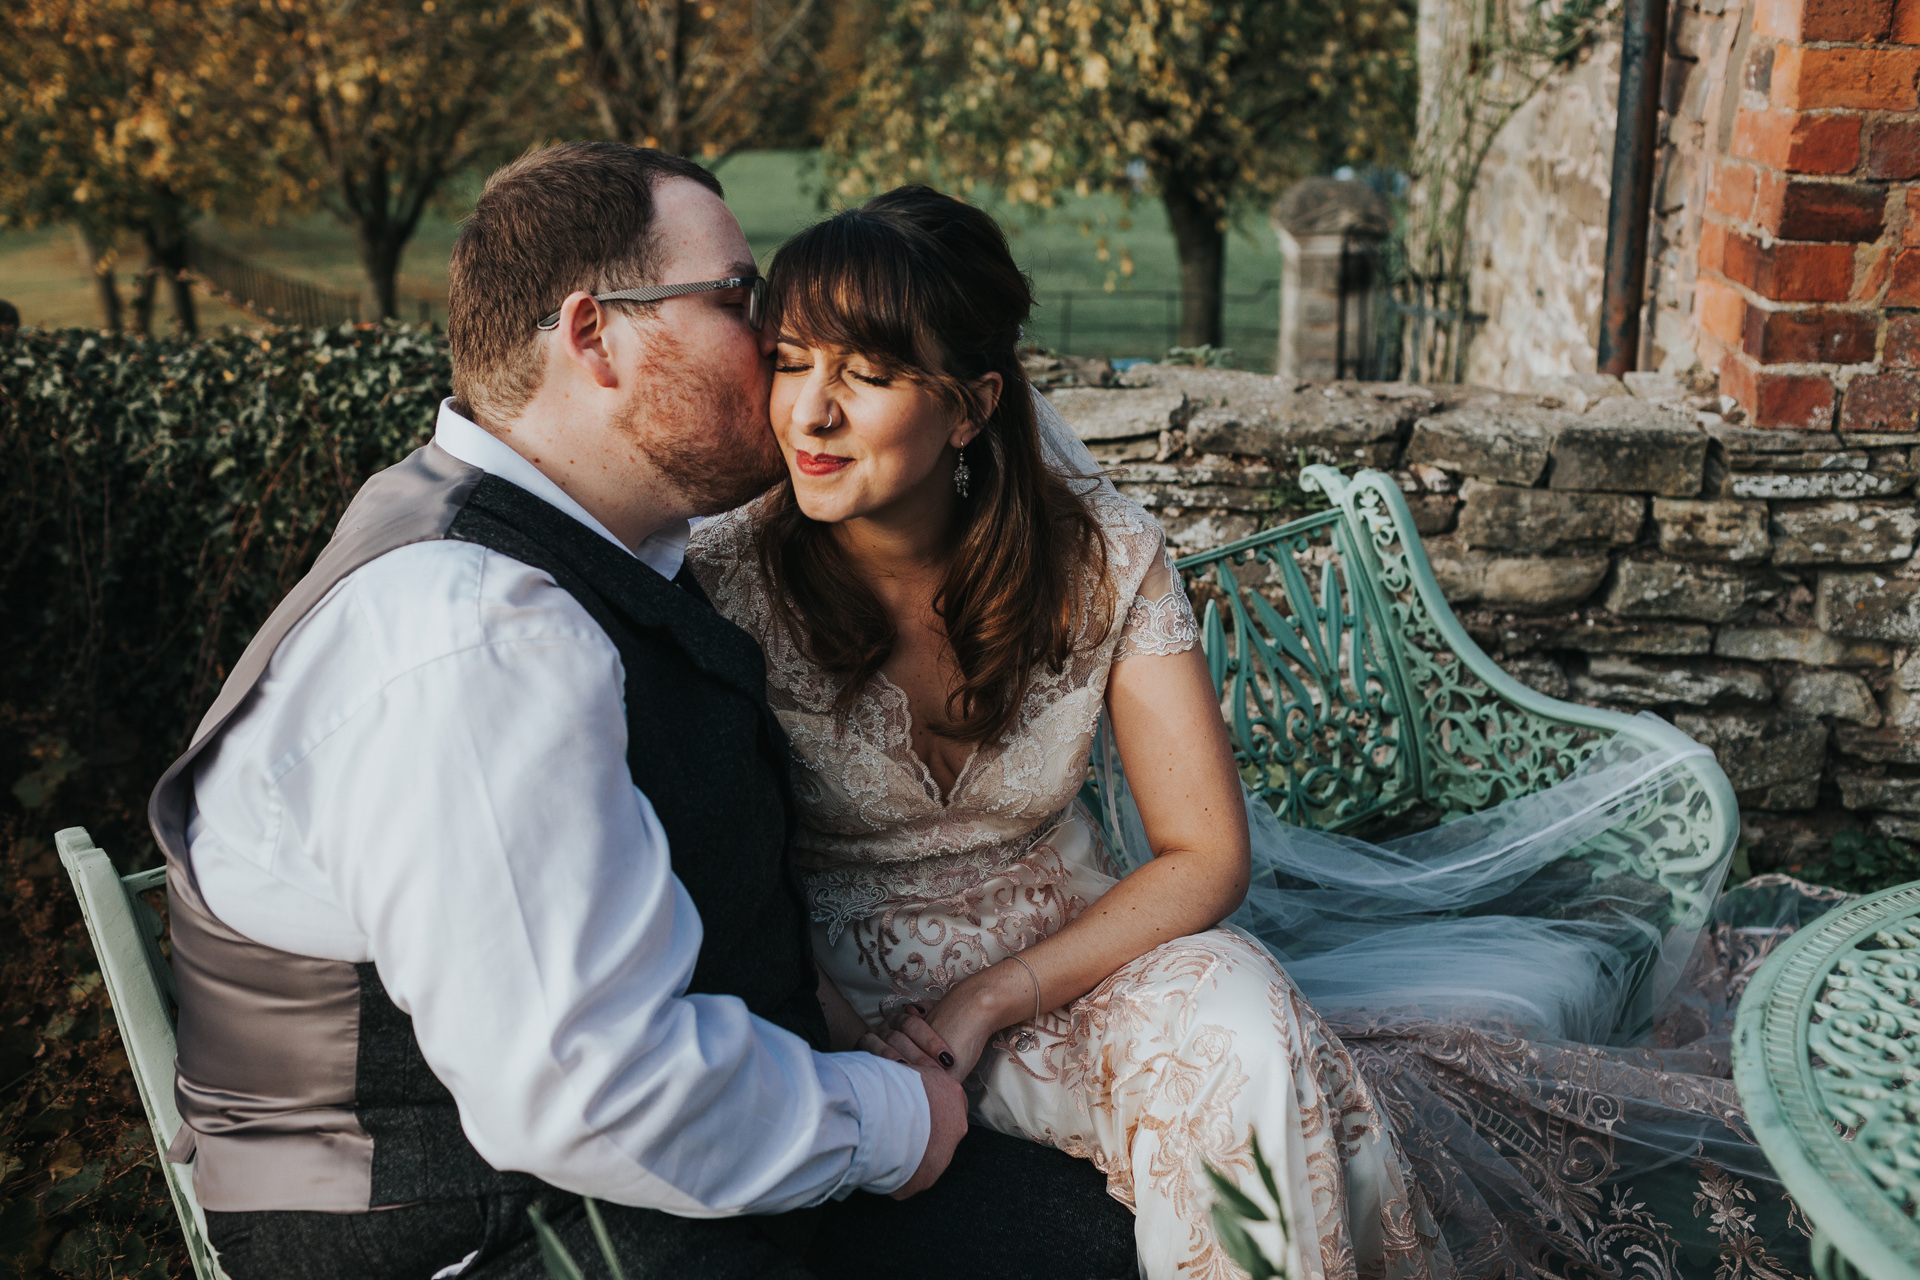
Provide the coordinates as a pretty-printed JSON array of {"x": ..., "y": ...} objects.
[{"x": 1827, "y": 1060}]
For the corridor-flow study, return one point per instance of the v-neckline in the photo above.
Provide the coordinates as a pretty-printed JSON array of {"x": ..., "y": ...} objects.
[{"x": 931, "y": 783}]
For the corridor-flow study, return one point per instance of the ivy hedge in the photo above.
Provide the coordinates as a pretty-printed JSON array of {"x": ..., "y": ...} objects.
[{"x": 157, "y": 499}]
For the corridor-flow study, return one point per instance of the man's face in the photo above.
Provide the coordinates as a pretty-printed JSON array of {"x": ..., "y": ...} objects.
[{"x": 702, "y": 375}]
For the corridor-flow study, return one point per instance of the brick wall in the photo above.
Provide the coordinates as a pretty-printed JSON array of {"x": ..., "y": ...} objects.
[{"x": 1806, "y": 248}]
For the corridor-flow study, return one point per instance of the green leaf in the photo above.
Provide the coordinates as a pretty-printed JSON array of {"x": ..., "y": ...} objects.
[
  {"x": 560, "y": 1264},
  {"x": 1236, "y": 1199},
  {"x": 605, "y": 1241}
]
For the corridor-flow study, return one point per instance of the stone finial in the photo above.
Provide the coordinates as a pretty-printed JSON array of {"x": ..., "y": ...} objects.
[{"x": 1332, "y": 207}]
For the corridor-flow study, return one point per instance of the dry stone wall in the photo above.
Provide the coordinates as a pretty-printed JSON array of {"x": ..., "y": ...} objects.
[{"x": 1614, "y": 543}]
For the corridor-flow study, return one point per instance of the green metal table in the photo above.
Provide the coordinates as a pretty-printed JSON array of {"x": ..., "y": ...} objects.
[{"x": 1827, "y": 1061}]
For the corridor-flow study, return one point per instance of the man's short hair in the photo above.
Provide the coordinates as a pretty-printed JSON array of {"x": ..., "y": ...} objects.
[{"x": 578, "y": 215}]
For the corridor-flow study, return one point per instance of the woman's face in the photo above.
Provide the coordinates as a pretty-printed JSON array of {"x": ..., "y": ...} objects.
[{"x": 861, "y": 442}]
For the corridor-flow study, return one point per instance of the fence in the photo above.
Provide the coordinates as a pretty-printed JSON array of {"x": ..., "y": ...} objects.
[
  {"x": 1394, "y": 324},
  {"x": 1145, "y": 322},
  {"x": 276, "y": 298}
]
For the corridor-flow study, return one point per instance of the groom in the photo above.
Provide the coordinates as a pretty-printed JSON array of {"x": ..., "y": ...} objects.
[{"x": 478, "y": 872}]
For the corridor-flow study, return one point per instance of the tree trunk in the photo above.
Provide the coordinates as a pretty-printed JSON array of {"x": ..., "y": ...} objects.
[
  {"x": 167, "y": 248},
  {"x": 380, "y": 255},
  {"x": 143, "y": 291},
  {"x": 1199, "y": 232},
  {"x": 97, "y": 248}
]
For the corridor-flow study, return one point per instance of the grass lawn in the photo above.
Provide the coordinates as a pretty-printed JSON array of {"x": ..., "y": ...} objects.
[{"x": 1077, "y": 255}]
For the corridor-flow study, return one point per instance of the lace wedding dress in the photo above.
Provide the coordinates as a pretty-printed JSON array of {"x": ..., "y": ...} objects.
[{"x": 1424, "y": 1034}]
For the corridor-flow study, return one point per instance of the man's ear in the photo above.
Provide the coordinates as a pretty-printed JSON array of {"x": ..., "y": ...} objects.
[
  {"x": 986, "y": 391},
  {"x": 581, "y": 338}
]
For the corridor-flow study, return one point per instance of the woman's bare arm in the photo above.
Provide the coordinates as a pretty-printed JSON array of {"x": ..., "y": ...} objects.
[
  {"x": 845, "y": 1026},
  {"x": 1173, "y": 743}
]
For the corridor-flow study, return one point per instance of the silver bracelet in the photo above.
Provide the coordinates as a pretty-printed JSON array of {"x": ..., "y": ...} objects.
[{"x": 1025, "y": 1040}]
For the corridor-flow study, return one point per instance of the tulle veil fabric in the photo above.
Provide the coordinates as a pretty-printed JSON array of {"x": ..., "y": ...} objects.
[{"x": 1551, "y": 1047}]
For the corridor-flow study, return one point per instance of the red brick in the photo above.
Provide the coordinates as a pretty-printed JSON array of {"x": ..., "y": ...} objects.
[
  {"x": 1902, "y": 350},
  {"x": 1815, "y": 335},
  {"x": 1793, "y": 401},
  {"x": 1847, "y": 21},
  {"x": 1910, "y": 234},
  {"x": 1894, "y": 150},
  {"x": 1720, "y": 310},
  {"x": 1787, "y": 272},
  {"x": 1731, "y": 189},
  {"x": 1865, "y": 79},
  {"x": 1848, "y": 211},
  {"x": 1881, "y": 402},
  {"x": 1905, "y": 289},
  {"x": 1906, "y": 22},
  {"x": 1798, "y": 143},
  {"x": 1713, "y": 246}
]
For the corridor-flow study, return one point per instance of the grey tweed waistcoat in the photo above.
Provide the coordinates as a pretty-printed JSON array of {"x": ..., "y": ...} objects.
[{"x": 300, "y": 1081}]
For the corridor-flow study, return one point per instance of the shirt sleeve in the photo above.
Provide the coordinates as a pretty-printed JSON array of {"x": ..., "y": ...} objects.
[
  {"x": 476, "y": 819},
  {"x": 1160, "y": 618}
]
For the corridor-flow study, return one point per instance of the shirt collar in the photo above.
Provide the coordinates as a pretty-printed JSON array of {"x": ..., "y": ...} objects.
[{"x": 664, "y": 551}]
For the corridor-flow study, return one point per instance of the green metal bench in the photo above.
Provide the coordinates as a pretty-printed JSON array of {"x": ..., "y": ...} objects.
[
  {"x": 1826, "y": 1056},
  {"x": 1353, "y": 695},
  {"x": 125, "y": 933}
]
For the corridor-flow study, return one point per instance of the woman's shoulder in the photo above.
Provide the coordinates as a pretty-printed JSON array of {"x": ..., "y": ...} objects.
[
  {"x": 723, "y": 556},
  {"x": 1133, "y": 537}
]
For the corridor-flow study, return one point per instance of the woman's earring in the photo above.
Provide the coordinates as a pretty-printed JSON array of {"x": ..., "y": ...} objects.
[{"x": 961, "y": 473}]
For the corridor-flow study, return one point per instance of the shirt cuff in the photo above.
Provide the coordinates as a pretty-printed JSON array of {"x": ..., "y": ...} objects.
[{"x": 894, "y": 1121}]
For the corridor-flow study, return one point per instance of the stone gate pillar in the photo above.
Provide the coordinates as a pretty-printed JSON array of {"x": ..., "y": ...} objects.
[{"x": 1314, "y": 218}]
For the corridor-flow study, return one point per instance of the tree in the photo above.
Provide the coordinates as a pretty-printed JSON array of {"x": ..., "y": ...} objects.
[
  {"x": 1208, "y": 102},
  {"x": 109, "y": 120},
  {"x": 371, "y": 106},
  {"x": 698, "y": 77}
]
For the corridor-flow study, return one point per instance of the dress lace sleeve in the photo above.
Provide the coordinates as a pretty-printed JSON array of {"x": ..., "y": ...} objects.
[{"x": 1160, "y": 620}]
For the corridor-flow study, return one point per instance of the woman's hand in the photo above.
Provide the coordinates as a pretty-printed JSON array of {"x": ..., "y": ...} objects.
[{"x": 955, "y": 1031}]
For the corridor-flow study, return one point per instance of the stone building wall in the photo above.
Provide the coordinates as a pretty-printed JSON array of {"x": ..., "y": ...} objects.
[{"x": 1616, "y": 544}]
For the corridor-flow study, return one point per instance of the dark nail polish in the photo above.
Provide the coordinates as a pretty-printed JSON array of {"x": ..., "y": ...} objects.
[
  {"x": 917, "y": 1009},
  {"x": 946, "y": 1059}
]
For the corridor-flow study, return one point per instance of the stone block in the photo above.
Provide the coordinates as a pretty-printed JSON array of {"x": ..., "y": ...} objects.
[
  {"x": 1844, "y": 533},
  {"x": 1884, "y": 744},
  {"x": 1208, "y": 497},
  {"x": 1542, "y": 675},
  {"x": 1644, "y": 453},
  {"x": 1341, "y": 431},
  {"x": 1099, "y": 413},
  {"x": 1696, "y": 592},
  {"x": 1433, "y": 513},
  {"x": 1784, "y": 841},
  {"x": 1655, "y": 388},
  {"x": 1760, "y": 749},
  {"x": 1612, "y": 679},
  {"x": 1212, "y": 469},
  {"x": 1839, "y": 694},
  {"x": 1696, "y": 530},
  {"x": 1666, "y": 639},
  {"x": 1576, "y": 391},
  {"x": 1863, "y": 791},
  {"x": 1818, "y": 484},
  {"x": 1868, "y": 606},
  {"x": 1741, "y": 440},
  {"x": 1498, "y": 443},
  {"x": 1205, "y": 532},
  {"x": 1801, "y": 793},
  {"x": 1895, "y": 828},
  {"x": 1515, "y": 519},
  {"x": 1853, "y": 460},
  {"x": 1530, "y": 584},
  {"x": 1798, "y": 644}
]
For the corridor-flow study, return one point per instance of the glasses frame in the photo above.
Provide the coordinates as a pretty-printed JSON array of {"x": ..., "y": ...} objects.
[{"x": 756, "y": 287}]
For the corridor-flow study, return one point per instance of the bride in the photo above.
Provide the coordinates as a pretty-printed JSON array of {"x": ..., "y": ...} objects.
[{"x": 949, "y": 602}]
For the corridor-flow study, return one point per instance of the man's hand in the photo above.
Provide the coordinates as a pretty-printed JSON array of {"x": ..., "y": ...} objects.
[{"x": 946, "y": 1107}]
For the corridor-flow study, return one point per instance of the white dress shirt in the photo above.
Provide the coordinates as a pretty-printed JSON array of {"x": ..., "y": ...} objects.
[{"x": 432, "y": 775}]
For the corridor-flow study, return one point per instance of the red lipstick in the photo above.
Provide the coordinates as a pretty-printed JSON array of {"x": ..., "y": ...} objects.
[{"x": 819, "y": 464}]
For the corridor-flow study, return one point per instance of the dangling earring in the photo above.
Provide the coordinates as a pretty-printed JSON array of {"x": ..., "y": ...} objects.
[{"x": 961, "y": 473}]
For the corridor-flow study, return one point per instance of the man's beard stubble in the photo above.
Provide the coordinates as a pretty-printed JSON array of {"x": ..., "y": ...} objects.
[{"x": 701, "y": 430}]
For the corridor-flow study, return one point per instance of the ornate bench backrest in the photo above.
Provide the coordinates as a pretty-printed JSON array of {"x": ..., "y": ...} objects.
[{"x": 1353, "y": 693}]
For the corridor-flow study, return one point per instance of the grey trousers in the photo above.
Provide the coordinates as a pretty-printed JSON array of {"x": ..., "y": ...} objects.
[{"x": 1005, "y": 1210}]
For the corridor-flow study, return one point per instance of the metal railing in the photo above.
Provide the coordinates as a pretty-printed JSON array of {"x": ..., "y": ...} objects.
[
  {"x": 268, "y": 294},
  {"x": 1147, "y": 321}
]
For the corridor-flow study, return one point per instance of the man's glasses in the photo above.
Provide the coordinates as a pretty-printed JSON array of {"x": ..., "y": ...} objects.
[{"x": 756, "y": 287}]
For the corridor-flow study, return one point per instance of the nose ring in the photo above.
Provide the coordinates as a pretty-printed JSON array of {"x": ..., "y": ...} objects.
[{"x": 829, "y": 426}]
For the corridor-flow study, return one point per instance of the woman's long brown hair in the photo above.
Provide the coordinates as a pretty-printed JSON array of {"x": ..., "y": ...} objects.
[{"x": 925, "y": 286}]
